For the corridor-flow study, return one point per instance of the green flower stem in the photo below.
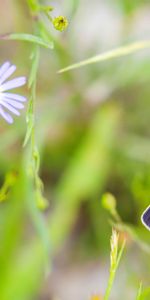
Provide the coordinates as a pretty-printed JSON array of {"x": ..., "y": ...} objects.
[
  {"x": 110, "y": 284},
  {"x": 113, "y": 268},
  {"x": 33, "y": 158},
  {"x": 48, "y": 16},
  {"x": 36, "y": 8}
]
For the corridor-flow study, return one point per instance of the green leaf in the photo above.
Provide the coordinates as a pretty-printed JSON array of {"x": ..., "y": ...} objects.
[
  {"x": 118, "y": 52},
  {"x": 28, "y": 38}
]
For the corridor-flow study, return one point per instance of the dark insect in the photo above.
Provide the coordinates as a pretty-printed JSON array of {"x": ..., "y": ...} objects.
[{"x": 146, "y": 218}]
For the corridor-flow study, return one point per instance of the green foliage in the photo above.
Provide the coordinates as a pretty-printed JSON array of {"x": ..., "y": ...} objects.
[
  {"x": 87, "y": 138},
  {"x": 86, "y": 173},
  {"x": 28, "y": 38}
]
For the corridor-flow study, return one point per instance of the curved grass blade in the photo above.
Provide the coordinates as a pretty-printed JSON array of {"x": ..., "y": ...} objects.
[
  {"x": 28, "y": 38},
  {"x": 118, "y": 52}
]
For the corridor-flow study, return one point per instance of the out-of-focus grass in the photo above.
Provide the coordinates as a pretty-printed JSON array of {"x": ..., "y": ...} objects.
[{"x": 92, "y": 132}]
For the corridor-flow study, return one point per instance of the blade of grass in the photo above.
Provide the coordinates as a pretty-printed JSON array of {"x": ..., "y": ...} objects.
[
  {"x": 27, "y": 38},
  {"x": 118, "y": 52}
]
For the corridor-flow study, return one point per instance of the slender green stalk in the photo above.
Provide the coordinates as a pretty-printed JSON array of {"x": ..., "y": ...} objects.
[
  {"x": 30, "y": 134},
  {"x": 33, "y": 159},
  {"x": 118, "y": 52},
  {"x": 115, "y": 257}
]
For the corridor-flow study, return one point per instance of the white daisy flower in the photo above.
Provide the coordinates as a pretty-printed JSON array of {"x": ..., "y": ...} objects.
[{"x": 9, "y": 101}]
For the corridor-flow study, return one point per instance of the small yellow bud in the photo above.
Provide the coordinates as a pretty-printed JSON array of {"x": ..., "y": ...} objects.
[
  {"x": 109, "y": 202},
  {"x": 60, "y": 23},
  {"x": 41, "y": 202}
]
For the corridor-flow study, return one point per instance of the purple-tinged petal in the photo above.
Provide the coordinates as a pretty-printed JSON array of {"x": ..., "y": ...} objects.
[
  {"x": 6, "y": 116},
  {"x": 7, "y": 73},
  {"x": 146, "y": 218},
  {"x": 13, "y": 103},
  {"x": 16, "y": 97},
  {"x": 10, "y": 108},
  {"x": 14, "y": 83},
  {"x": 4, "y": 68}
]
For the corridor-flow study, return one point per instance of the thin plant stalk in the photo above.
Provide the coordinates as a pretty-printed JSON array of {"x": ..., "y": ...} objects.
[{"x": 115, "y": 257}]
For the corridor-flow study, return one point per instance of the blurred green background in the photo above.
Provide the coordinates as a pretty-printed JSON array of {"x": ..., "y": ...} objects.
[{"x": 92, "y": 132}]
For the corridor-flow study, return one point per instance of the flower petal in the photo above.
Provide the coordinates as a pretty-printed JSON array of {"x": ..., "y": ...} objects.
[
  {"x": 13, "y": 103},
  {"x": 4, "y": 68},
  {"x": 6, "y": 116},
  {"x": 7, "y": 73},
  {"x": 15, "y": 97},
  {"x": 10, "y": 108},
  {"x": 14, "y": 83}
]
